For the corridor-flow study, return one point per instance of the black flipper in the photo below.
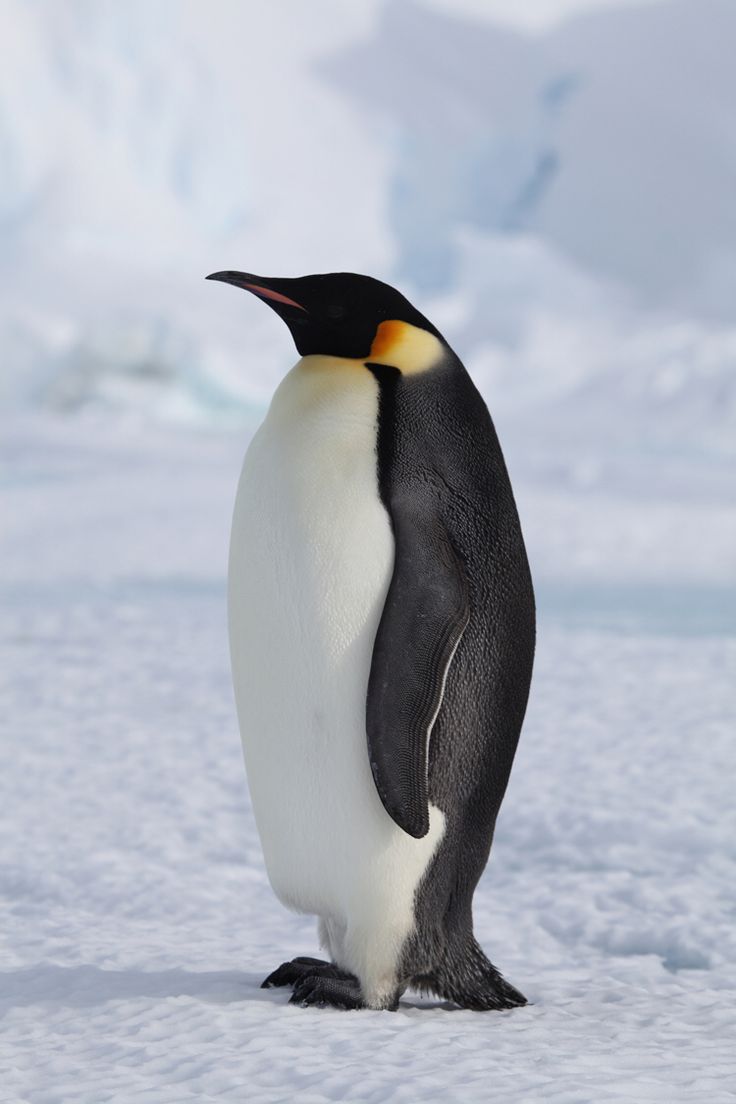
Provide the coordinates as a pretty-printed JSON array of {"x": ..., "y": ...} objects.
[{"x": 423, "y": 619}]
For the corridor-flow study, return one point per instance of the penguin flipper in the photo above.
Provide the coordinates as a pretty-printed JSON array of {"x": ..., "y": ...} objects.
[{"x": 424, "y": 616}]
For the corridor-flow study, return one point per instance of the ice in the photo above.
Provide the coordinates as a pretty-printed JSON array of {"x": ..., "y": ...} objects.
[
  {"x": 144, "y": 146},
  {"x": 606, "y": 135},
  {"x": 583, "y": 230}
]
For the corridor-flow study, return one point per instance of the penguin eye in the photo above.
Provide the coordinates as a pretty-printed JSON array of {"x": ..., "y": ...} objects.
[{"x": 335, "y": 310}]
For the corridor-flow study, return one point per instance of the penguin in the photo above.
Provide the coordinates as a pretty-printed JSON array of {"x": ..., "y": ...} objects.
[{"x": 382, "y": 628}]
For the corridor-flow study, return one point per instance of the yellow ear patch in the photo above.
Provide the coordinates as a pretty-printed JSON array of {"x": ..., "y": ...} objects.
[{"x": 406, "y": 347}]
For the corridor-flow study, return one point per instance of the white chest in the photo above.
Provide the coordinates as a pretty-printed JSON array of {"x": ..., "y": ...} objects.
[
  {"x": 311, "y": 547},
  {"x": 310, "y": 562}
]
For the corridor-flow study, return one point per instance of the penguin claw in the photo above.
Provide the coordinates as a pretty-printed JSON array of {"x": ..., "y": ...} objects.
[
  {"x": 289, "y": 973},
  {"x": 321, "y": 991},
  {"x": 302, "y": 968}
]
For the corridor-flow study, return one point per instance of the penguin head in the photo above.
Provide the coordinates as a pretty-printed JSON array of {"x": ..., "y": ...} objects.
[{"x": 339, "y": 314}]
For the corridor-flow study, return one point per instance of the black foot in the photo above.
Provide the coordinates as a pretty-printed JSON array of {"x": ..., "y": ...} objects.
[
  {"x": 489, "y": 993},
  {"x": 299, "y": 969},
  {"x": 496, "y": 997},
  {"x": 471, "y": 982},
  {"x": 288, "y": 973},
  {"x": 337, "y": 991}
]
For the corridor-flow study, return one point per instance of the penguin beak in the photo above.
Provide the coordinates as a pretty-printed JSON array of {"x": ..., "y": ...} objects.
[{"x": 263, "y": 286}]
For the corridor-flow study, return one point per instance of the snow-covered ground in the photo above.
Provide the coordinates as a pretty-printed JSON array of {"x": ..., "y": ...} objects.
[{"x": 137, "y": 918}]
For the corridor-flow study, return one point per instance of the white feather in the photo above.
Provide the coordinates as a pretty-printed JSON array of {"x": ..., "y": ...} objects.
[{"x": 310, "y": 563}]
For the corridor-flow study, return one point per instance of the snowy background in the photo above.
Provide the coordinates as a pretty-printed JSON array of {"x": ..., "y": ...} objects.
[{"x": 553, "y": 183}]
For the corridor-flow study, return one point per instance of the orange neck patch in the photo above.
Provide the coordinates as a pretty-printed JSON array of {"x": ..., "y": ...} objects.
[
  {"x": 388, "y": 336},
  {"x": 406, "y": 347}
]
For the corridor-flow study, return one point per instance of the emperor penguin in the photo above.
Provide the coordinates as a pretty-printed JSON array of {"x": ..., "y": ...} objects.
[{"x": 382, "y": 626}]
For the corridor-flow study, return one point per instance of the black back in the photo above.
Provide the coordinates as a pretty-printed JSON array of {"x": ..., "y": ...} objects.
[{"x": 461, "y": 572}]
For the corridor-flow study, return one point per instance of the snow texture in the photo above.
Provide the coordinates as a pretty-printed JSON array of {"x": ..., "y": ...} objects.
[{"x": 137, "y": 917}]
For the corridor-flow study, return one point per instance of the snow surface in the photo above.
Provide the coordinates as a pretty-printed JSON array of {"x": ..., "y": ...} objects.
[{"x": 137, "y": 917}]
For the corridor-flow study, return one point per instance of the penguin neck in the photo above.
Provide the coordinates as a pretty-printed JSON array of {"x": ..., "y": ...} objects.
[
  {"x": 330, "y": 389},
  {"x": 410, "y": 349},
  {"x": 322, "y": 383}
]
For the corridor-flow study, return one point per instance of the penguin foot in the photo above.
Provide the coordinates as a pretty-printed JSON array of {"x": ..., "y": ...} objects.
[
  {"x": 492, "y": 999},
  {"x": 326, "y": 989},
  {"x": 487, "y": 994},
  {"x": 301, "y": 968},
  {"x": 469, "y": 980}
]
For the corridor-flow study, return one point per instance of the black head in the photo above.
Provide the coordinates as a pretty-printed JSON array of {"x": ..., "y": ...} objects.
[{"x": 334, "y": 314}]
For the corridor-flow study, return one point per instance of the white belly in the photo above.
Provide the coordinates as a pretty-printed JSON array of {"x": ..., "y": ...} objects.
[{"x": 311, "y": 558}]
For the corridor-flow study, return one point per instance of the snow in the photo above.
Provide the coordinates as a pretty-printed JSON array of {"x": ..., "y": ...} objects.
[
  {"x": 147, "y": 145},
  {"x": 137, "y": 916},
  {"x": 144, "y": 146}
]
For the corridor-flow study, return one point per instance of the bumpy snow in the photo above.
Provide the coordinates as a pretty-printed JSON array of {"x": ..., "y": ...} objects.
[{"x": 138, "y": 921}]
